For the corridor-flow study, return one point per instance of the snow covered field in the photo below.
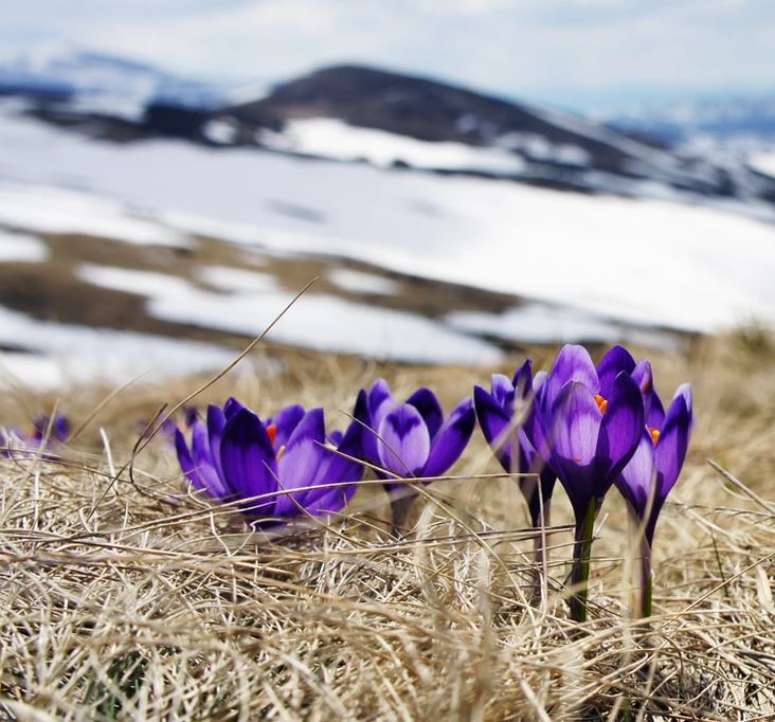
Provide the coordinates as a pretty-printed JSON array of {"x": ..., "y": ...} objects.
[{"x": 613, "y": 260}]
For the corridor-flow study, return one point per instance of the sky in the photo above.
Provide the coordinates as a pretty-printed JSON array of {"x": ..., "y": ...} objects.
[{"x": 584, "y": 54}]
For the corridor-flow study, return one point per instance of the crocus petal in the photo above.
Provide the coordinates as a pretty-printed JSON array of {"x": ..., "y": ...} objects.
[
  {"x": 573, "y": 437},
  {"x": 673, "y": 443},
  {"x": 301, "y": 462},
  {"x": 522, "y": 383},
  {"x": 503, "y": 391},
  {"x": 216, "y": 422},
  {"x": 231, "y": 407},
  {"x": 616, "y": 360},
  {"x": 573, "y": 363},
  {"x": 248, "y": 460},
  {"x": 204, "y": 461},
  {"x": 187, "y": 462},
  {"x": 576, "y": 427},
  {"x": 622, "y": 427},
  {"x": 639, "y": 475},
  {"x": 643, "y": 376},
  {"x": 379, "y": 392},
  {"x": 451, "y": 439},
  {"x": 59, "y": 428},
  {"x": 286, "y": 420},
  {"x": 494, "y": 422},
  {"x": 404, "y": 442},
  {"x": 425, "y": 401},
  {"x": 379, "y": 402},
  {"x": 338, "y": 468},
  {"x": 335, "y": 437}
]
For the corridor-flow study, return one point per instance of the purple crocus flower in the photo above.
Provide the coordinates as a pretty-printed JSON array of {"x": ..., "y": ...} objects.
[
  {"x": 46, "y": 433},
  {"x": 589, "y": 420},
  {"x": 512, "y": 447},
  {"x": 235, "y": 455},
  {"x": 587, "y": 425},
  {"x": 648, "y": 478},
  {"x": 412, "y": 439}
]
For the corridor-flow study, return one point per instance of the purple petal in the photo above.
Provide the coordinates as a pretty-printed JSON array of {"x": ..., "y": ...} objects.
[
  {"x": 187, "y": 465},
  {"x": 493, "y": 422},
  {"x": 652, "y": 404},
  {"x": 231, "y": 407},
  {"x": 205, "y": 462},
  {"x": 60, "y": 428},
  {"x": 301, "y": 463},
  {"x": 673, "y": 443},
  {"x": 622, "y": 426},
  {"x": 338, "y": 468},
  {"x": 637, "y": 478},
  {"x": 522, "y": 382},
  {"x": 404, "y": 442},
  {"x": 379, "y": 392},
  {"x": 248, "y": 460},
  {"x": 379, "y": 402},
  {"x": 503, "y": 392},
  {"x": 451, "y": 439},
  {"x": 573, "y": 364},
  {"x": 216, "y": 422},
  {"x": 425, "y": 401},
  {"x": 335, "y": 437},
  {"x": 573, "y": 436},
  {"x": 616, "y": 360},
  {"x": 286, "y": 420},
  {"x": 576, "y": 424},
  {"x": 190, "y": 415}
]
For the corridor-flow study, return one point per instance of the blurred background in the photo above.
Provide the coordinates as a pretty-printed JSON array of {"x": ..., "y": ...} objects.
[{"x": 463, "y": 178}]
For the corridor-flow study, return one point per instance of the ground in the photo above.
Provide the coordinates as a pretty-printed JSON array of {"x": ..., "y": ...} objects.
[{"x": 125, "y": 597}]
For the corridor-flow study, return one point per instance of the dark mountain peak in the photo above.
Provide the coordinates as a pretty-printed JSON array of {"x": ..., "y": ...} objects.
[{"x": 409, "y": 105}]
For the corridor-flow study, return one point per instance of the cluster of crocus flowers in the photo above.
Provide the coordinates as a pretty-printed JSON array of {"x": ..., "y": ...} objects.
[
  {"x": 590, "y": 427},
  {"x": 283, "y": 467},
  {"x": 47, "y": 433}
]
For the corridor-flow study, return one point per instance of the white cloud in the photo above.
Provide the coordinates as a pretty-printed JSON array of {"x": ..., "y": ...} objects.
[{"x": 511, "y": 46}]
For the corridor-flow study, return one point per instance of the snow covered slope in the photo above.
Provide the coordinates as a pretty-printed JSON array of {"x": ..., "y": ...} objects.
[{"x": 647, "y": 262}]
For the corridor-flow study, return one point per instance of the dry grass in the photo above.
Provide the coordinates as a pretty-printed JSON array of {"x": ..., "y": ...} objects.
[{"x": 133, "y": 600}]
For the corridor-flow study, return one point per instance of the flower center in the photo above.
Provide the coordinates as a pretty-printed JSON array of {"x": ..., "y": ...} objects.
[
  {"x": 280, "y": 453},
  {"x": 271, "y": 432},
  {"x": 602, "y": 403},
  {"x": 654, "y": 433}
]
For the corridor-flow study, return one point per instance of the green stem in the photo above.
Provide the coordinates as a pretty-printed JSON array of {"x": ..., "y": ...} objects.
[
  {"x": 641, "y": 600},
  {"x": 582, "y": 553},
  {"x": 646, "y": 579}
]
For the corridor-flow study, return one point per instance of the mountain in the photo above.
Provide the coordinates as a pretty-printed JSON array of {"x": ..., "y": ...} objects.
[
  {"x": 739, "y": 121},
  {"x": 353, "y": 113}
]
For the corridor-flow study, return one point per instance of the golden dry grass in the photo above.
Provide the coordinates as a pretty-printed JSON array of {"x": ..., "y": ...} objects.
[{"x": 131, "y": 599}]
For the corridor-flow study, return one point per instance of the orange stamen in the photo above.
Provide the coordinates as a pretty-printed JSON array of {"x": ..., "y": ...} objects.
[
  {"x": 655, "y": 434},
  {"x": 602, "y": 403},
  {"x": 271, "y": 432}
]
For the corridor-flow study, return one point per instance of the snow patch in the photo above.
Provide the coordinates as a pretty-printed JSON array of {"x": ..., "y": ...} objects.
[
  {"x": 62, "y": 354},
  {"x": 328, "y": 323},
  {"x": 763, "y": 163},
  {"x": 142, "y": 283},
  {"x": 232, "y": 280},
  {"x": 360, "y": 282},
  {"x": 47, "y": 209},
  {"x": 21, "y": 247},
  {"x": 332, "y": 138}
]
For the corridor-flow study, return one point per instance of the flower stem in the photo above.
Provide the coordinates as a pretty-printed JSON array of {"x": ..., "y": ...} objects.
[
  {"x": 641, "y": 601},
  {"x": 646, "y": 580},
  {"x": 582, "y": 552}
]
